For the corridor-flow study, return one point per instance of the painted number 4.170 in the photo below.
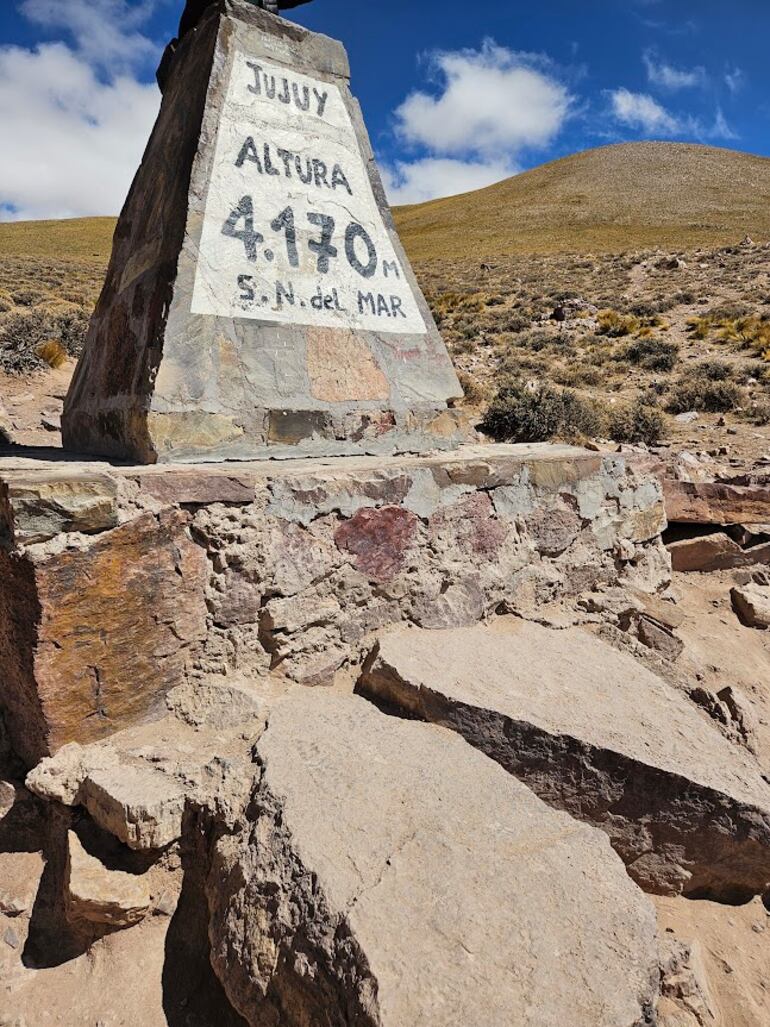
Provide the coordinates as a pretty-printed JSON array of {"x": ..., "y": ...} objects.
[{"x": 360, "y": 251}]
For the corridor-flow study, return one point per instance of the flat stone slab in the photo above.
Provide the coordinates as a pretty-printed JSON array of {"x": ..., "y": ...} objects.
[
  {"x": 102, "y": 896},
  {"x": 593, "y": 732},
  {"x": 715, "y": 502},
  {"x": 752, "y": 604},
  {"x": 393, "y": 876},
  {"x": 714, "y": 553}
]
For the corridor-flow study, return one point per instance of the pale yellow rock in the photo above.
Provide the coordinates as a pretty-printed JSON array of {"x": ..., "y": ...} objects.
[
  {"x": 19, "y": 880},
  {"x": 393, "y": 876},
  {"x": 92, "y": 892}
]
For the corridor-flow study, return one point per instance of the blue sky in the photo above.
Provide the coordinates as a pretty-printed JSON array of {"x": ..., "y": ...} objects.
[{"x": 456, "y": 95}]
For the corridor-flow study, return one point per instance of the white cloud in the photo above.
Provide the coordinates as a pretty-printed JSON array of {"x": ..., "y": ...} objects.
[
  {"x": 640, "y": 111},
  {"x": 72, "y": 137},
  {"x": 106, "y": 32},
  {"x": 490, "y": 105},
  {"x": 659, "y": 73},
  {"x": 492, "y": 100},
  {"x": 735, "y": 79},
  {"x": 431, "y": 177},
  {"x": 720, "y": 129}
]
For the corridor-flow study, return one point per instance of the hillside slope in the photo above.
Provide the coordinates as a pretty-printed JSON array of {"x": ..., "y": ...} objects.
[
  {"x": 84, "y": 239},
  {"x": 627, "y": 196},
  {"x": 616, "y": 198}
]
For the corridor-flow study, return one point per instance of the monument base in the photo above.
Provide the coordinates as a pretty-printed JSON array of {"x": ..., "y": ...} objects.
[{"x": 286, "y": 568}]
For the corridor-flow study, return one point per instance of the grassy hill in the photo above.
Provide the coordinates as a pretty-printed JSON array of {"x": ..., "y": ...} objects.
[
  {"x": 77, "y": 239},
  {"x": 628, "y": 196}
]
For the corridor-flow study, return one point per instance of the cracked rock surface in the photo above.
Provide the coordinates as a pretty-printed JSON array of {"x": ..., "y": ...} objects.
[
  {"x": 389, "y": 874},
  {"x": 593, "y": 732}
]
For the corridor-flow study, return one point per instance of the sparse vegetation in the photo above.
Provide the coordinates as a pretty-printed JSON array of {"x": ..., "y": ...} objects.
[
  {"x": 651, "y": 353},
  {"x": 44, "y": 311},
  {"x": 616, "y": 325},
  {"x": 709, "y": 385},
  {"x": 536, "y": 413},
  {"x": 636, "y": 422},
  {"x": 673, "y": 196},
  {"x": 634, "y": 363}
]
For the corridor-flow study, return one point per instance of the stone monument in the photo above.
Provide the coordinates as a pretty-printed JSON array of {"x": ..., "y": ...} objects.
[{"x": 258, "y": 300}]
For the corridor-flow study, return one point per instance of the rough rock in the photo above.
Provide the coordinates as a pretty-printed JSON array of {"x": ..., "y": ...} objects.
[
  {"x": 714, "y": 553},
  {"x": 138, "y": 785},
  {"x": 93, "y": 637},
  {"x": 6, "y": 427},
  {"x": 659, "y": 637},
  {"x": 301, "y": 561},
  {"x": 19, "y": 882},
  {"x": 7, "y": 797},
  {"x": 751, "y": 602},
  {"x": 138, "y": 804},
  {"x": 392, "y": 876},
  {"x": 222, "y": 705},
  {"x": 102, "y": 896},
  {"x": 594, "y": 732},
  {"x": 715, "y": 502},
  {"x": 686, "y": 998},
  {"x": 35, "y": 506}
]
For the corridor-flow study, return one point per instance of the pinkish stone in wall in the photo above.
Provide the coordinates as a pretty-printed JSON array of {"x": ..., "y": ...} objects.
[
  {"x": 472, "y": 525},
  {"x": 378, "y": 540}
]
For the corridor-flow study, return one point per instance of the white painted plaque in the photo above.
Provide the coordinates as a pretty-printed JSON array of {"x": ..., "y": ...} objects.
[{"x": 291, "y": 230}]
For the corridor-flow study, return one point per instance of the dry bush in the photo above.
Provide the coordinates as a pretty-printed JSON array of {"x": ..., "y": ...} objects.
[
  {"x": 476, "y": 392},
  {"x": 651, "y": 353},
  {"x": 29, "y": 297},
  {"x": 52, "y": 353},
  {"x": 636, "y": 422},
  {"x": 537, "y": 413},
  {"x": 709, "y": 386},
  {"x": 616, "y": 325},
  {"x": 33, "y": 337}
]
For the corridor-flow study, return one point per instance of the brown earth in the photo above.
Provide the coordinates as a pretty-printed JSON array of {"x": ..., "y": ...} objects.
[{"x": 615, "y": 198}]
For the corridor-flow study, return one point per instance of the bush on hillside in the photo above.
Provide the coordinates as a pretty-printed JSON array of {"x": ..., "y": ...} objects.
[
  {"x": 537, "y": 413},
  {"x": 708, "y": 386},
  {"x": 40, "y": 336},
  {"x": 636, "y": 422},
  {"x": 652, "y": 354},
  {"x": 616, "y": 325}
]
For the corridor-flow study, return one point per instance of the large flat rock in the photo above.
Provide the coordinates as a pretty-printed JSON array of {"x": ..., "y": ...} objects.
[
  {"x": 393, "y": 876},
  {"x": 595, "y": 733}
]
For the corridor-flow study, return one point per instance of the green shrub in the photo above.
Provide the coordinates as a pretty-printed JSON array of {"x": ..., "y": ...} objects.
[
  {"x": 636, "y": 422},
  {"x": 536, "y": 413}
]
